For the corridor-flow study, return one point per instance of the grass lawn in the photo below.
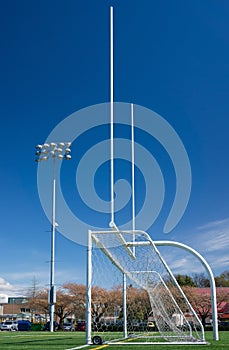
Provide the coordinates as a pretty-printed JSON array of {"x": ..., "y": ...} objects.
[{"x": 71, "y": 340}]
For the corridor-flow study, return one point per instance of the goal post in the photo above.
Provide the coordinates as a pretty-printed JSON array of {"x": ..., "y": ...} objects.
[{"x": 132, "y": 295}]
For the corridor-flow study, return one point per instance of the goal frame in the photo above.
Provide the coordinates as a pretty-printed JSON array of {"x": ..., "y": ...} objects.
[{"x": 130, "y": 250}]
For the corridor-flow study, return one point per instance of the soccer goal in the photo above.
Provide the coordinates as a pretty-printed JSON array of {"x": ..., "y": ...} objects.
[{"x": 132, "y": 296}]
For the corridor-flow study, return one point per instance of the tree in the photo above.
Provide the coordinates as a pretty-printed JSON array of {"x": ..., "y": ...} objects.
[
  {"x": 185, "y": 280},
  {"x": 200, "y": 299},
  {"x": 33, "y": 295},
  {"x": 78, "y": 294},
  {"x": 114, "y": 301},
  {"x": 109, "y": 302},
  {"x": 63, "y": 306},
  {"x": 222, "y": 280},
  {"x": 138, "y": 304},
  {"x": 201, "y": 302},
  {"x": 39, "y": 301},
  {"x": 201, "y": 281}
]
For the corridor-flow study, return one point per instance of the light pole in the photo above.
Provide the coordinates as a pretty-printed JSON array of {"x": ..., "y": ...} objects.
[{"x": 54, "y": 151}]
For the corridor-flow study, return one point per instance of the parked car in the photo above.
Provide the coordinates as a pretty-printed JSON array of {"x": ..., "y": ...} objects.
[
  {"x": 24, "y": 325},
  {"x": 224, "y": 323},
  {"x": 81, "y": 326},
  {"x": 151, "y": 326},
  {"x": 47, "y": 326},
  {"x": 68, "y": 326},
  {"x": 9, "y": 326}
]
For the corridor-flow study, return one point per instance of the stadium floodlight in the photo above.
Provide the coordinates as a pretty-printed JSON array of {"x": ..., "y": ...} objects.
[
  {"x": 54, "y": 151},
  {"x": 39, "y": 147}
]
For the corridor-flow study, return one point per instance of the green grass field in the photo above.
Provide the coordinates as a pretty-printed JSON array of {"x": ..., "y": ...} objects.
[{"x": 73, "y": 340}]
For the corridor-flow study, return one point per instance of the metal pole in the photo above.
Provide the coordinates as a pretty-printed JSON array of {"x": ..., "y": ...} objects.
[
  {"x": 88, "y": 295},
  {"x": 133, "y": 174},
  {"x": 112, "y": 114},
  {"x": 124, "y": 307},
  {"x": 52, "y": 295}
]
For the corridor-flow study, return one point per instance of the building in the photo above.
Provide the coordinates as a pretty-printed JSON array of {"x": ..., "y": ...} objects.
[{"x": 17, "y": 308}]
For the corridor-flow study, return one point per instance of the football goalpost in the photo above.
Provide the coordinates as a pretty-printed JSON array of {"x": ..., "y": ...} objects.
[{"x": 132, "y": 296}]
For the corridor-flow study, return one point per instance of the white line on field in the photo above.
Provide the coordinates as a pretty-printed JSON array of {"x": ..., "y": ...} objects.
[{"x": 78, "y": 347}]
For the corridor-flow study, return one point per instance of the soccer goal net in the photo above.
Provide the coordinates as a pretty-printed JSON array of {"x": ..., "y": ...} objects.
[{"x": 132, "y": 296}]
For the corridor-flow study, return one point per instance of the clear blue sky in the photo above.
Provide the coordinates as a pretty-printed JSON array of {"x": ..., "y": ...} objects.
[{"x": 170, "y": 56}]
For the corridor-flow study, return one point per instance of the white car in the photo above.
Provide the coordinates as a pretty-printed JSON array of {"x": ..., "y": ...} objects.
[
  {"x": 9, "y": 326},
  {"x": 68, "y": 326}
]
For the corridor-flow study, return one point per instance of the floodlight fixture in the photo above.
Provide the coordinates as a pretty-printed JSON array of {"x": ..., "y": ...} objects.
[{"x": 38, "y": 146}]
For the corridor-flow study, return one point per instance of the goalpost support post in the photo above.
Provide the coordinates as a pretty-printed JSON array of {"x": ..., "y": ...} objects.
[{"x": 88, "y": 289}]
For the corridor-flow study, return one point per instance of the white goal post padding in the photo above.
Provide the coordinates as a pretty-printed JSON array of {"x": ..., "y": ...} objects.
[{"x": 132, "y": 296}]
